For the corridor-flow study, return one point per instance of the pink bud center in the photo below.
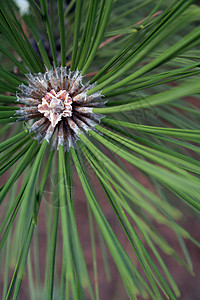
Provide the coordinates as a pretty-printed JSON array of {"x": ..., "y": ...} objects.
[{"x": 55, "y": 106}]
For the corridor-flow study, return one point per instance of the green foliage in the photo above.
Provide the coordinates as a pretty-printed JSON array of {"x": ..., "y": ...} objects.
[{"x": 144, "y": 59}]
